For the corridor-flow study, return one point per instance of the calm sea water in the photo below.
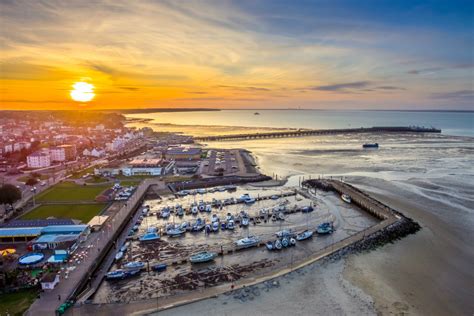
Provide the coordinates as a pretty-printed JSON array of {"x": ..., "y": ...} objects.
[{"x": 452, "y": 123}]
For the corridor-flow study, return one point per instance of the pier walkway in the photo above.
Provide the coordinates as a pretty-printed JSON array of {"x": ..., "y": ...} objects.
[
  {"x": 316, "y": 132},
  {"x": 80, "y": 272}
]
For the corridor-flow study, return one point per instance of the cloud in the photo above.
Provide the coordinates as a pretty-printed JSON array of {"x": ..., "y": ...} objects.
[
  {"x": 343, "y": 86},
  {"x": 389, "y": 88},
  {"x": 129, "y": 88},
  {"x": 432, "y": 70},
  {"x": 244, "y": 88},
  {"x": 459, "y": 94}
]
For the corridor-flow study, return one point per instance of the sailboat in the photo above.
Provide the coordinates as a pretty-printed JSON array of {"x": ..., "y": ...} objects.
[{"x": 307, "y": 233}]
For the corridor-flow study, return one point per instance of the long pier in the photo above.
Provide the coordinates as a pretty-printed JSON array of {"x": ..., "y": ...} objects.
[{"x": 316, "y": 132}]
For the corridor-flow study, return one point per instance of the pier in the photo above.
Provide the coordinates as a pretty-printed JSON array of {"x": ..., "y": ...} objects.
[{"x": 317, "y": 132}]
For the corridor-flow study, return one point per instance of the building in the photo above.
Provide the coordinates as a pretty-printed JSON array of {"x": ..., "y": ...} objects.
[
  {"x": 49, "y": 281},
  {"x": 97, "y": 222},
  {"x": 38, "y": 160},
  {"x": 183, "y": 153},
  {"x": 57, "y": 154},
  {"x": 145, "y": 166},
  {"x": 69, "y": 151}
]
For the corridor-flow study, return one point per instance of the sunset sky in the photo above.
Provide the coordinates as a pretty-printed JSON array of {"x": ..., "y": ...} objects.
[{"x": 238, "y": 54}]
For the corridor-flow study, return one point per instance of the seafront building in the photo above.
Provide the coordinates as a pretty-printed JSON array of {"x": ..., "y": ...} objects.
[{"x": 39, "y": 159}]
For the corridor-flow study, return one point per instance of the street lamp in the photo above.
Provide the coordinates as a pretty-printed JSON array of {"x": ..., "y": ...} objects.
[{"x": 34, "y": 193}]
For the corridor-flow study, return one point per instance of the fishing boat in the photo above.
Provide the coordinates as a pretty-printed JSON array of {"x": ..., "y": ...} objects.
[
  {"x": 292, "y": 241},
  {"x": 245, "y": 220},
  {"x": 307, "y": 209},
  {"x": 346, "y": 198},
  {"x": 230, "y": 224},
  {"x": 182, "y": 193},
  {"x": 285, "y": 242},
  {"x": 135, "y": 228},
  {"x": 134, "y": 265},
  {"x": 159, "y": 267},
  {"x": 249, "y": 241},
  {"x": 116, "y": 275},
  {"x": 201, "y": 257},
  {"x": 175, "y": 231},
  {"x": 198, "y": 225},
  {"x": 119, "y": 256},
  {"x": 370, "y": 145},
  {"x": 150, "y": 236},
  {"x": 324, "y": 228},
  {"x": 304, "y": 235},
  {"x": 165, "y": 212}
]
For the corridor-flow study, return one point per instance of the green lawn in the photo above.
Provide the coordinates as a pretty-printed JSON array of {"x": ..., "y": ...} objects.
[
  {"x": 78, "y": 175},
  {"x": 16, "y": 303},
  {"x": 68, "y": 191},
  {"x": 129, "y": 183},
  {"x": 82, "y": 212}
]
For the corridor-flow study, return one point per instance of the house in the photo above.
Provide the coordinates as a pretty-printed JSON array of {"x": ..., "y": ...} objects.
[{"x": 49, "y": 281}]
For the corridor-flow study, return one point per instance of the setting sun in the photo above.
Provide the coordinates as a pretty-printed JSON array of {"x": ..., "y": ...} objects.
[{"x": 82, "y": 92}]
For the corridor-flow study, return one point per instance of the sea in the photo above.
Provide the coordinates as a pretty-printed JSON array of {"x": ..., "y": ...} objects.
[{"x": 428, "y": 177}]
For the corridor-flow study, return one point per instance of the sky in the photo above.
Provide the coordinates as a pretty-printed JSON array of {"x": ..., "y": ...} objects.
[{"x": 238, "y": 54}]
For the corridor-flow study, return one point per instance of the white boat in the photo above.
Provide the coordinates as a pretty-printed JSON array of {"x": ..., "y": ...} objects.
[
  {"x": 274, "y": 197},
  {"x": 247, "y": 242},
  {"x": 304, "y": 235},
  {"x": 215, "y": 218},
  {"x": 201, "y": 206},
  {"x": 245, "y": 221},
  {"x": 198, "y": 225},
  {"x": 215, "y": 226},
  {"x": 194, "y": 210},
  {"x": 230, "y": 224},
  {"x": 201, "y": 191},
  {"x": 119, "y": 256},
  {"x": 204, "y": 256},
  {"x": 346, "y": 198},
  {"x": 184, "y": 225},
  {"x": 229, "y": 217},
  {"x": 134, "y": 265},
  {"x": 221, "y": 189},
  {"x": 208, "y": 208},
  {"x": 284, "y": 233},
  {"x": 165, "y": 212},
  {"x": 249, "y": 201}
]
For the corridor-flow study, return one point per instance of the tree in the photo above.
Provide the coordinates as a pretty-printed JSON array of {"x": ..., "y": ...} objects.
[
  {"x": 9, "y": 194},
  {"x": 31, "y": 182}
]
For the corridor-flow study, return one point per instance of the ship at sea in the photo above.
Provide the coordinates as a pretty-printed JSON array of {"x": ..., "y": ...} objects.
[{"x": 371, "y": 145}]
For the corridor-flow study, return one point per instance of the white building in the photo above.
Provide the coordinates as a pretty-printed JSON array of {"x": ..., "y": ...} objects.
[
  {"x": 38, "y": 160},
  {"x": 57, "y": 154},
  {"x": 153, "y": 167}
]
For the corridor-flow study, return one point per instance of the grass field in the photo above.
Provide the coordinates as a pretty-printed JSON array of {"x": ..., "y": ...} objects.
[
  {"x": 82, "y": 212},
  {"x": 68, "y": 191},
  {"x": 16, "y": 303},
  {"x": 78, "y": 175}
]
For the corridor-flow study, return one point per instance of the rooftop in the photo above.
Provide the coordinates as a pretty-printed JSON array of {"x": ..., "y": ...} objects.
[{"x": 38, "y": 222}]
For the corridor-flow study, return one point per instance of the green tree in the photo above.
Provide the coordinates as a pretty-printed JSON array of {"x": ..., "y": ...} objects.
[
  {"x": 31, "y": 181},
  {"x": 9, "y": 194}
]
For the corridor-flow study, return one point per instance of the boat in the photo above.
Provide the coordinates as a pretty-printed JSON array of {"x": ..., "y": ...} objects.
[
  {"x": 274, "y": 197},
  {"x": 304, "y": 235},
  {"x": 284, "y": 233},
  {"x": 184, "y": 225},
  {"x": 134, "y": 265},
  {"x": 245, "y": 220},
  {"x": 116, "y": 275},
  {"x": 165, "y": 212},
  {"x": 230, "y": 224},
  {"x": 256, "y": 113},
  {"x": 124, "y": 247},
  {"x": 285, "y": 242},
  {"x": 201, "y": 191},
  {"x": 249, "y": 201},
  {"x": 324, "y": 228},
  {"x": 150, "y": 236},
  {"x": 292, "y": 241},
  {"x": 307, "y": 209},
  {"x": 194, "y": 210},
  {"x": 221, "y": 189},
  {"x": 229, "y": 217},
  {"x": 182, "y": 193},
  {"x": 198, "y": 225},
  {"x": 370, "y": 145},
  {"x": 179, "y": 211},
  {"x": 208, "y": 208},
  {"x": 215, "y": 226},
  {"x": 159, "y": 267},
  {"x": 119, "y": 256},
  {"x": 277, "y": 244},
  {"x": 175, "y": 231},
  {"x": 249, "y": 241},
  {"x": 346, "y": 198},
  {"x": 231, "y": 187},
  {"x": 201, "y": 257},
  {"x": 135, "y": 228},
  {"x": 201, "y": 206},
  {"x": 269, "y": 245},
  {"x": 215, "y": 218}
]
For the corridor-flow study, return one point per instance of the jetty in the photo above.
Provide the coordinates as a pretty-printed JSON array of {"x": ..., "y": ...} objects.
[{"x": 317, "y": 132}]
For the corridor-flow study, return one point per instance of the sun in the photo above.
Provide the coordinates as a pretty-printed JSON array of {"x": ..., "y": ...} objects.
[{"x": 82, "y": 92}]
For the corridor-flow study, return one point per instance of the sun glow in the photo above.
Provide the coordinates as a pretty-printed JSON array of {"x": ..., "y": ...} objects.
[{"x": 82, "y": 92}]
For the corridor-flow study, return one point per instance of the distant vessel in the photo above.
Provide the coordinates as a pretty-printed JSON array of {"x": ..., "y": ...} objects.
[
  {"x": 204, "y": 256},
  {"x": 371, "y": 145},
  {"x": 256, "y": 113},
  {"x": 346, "y": 198},
  {"x": 247, "y": 242}
]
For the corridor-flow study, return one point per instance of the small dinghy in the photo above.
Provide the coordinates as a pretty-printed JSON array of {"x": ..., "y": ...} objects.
[
  {"x": 346, "y": 198},
  {"x": 194, "y": 210},
  {"x": 116, "y": 275},
  {"x": 165, "y": 212},
  {"x": 230, "y": 224},
  {"x": 119, "y": 256},
  {"x": 201, "y": 257},
  {"x": 269, "y": 245},
  {"x": 274, "y": 197},
  {"x": 159, "y": 267},
  {"x": 215, "y": 226},
  {"x": 208, "y": 208},
  {"x": 324, "y": 228},
  {"x": 304, "y": 235},
  {"x": 215, "y": 218},
  {"x": 307, "y": 209},
  {"x": 245, "y": 221}
]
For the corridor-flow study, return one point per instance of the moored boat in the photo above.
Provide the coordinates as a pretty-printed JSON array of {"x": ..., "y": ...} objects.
[
  {"x": 324, "y": 228},
  {"x": 247, "y": 242},
  {"x": 159, "y": 267},
  {"x": 346, "y": 198},
  {"x": 307, "y": 209},
  {"x": 150, "y": 236},
  {"x": 201, "y": 257},
  {"x": 119, "y": 256},
  {"x": 175, "y": 231},
  {"x": 134, "y": 265},
  {"x": 116, "y": 275},
  {"x": 304, "y": 235}
]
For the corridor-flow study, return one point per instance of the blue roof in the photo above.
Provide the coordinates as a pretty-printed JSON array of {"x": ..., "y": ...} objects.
[
  {"x": 64, "y": 229},
  {"x": 38, "y": 222},
  {"x": 55, "y": 238},
  {"x": 20, "y": 232}
]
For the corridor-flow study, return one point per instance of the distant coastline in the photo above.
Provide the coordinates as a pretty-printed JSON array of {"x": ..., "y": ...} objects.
[{"x": 158, "y": 110}]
